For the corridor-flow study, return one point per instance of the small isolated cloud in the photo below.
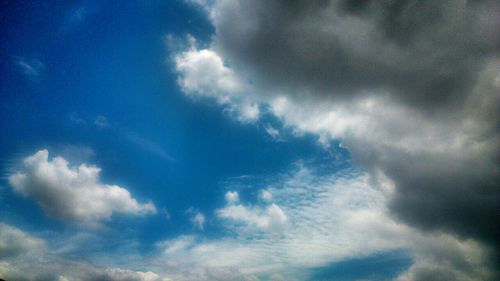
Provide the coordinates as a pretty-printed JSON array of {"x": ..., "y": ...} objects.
[
  {"x": 232, "y": 197},
  {"x": 266, "y": 195},
  {"x": 165, "y": 213},
  {"x": 74, "y": 118},
  {"x": 101, "y": 121},
  {"x": 197, "y": 218},
  {"x": 273, "y": 132},
  {"x": 30, "y": 67},
  {"x": 73, "y": 193}
]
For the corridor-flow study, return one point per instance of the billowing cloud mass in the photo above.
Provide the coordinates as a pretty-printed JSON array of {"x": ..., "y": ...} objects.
[
  {"x": 73, "y": 193},
  {"x": 411, "y": 88}
]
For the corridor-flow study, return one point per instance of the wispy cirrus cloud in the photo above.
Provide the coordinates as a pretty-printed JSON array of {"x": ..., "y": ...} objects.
[{"x": 31, "y": 67}]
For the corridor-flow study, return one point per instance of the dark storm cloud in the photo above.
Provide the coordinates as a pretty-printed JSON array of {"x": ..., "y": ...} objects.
[
  {"x": 426, "y": 53},
  {"x": 436, "y": 58}
]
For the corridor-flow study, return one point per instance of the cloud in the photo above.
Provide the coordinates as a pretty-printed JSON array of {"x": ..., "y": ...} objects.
[
  {"x": 14, "y": 242},
  {"x": 409, "y": 88},
  {"x": 266, "y": 195},
  {"x": 202, "y": 74},
  {"x": 328, "y": 218},
  {"x": 232, "y": 197},
  {"x": 197, "y": 218},
  {"x": 73, "y": 193},
  {"x": 444, "y": 258},
  {"x": 148, "y": 145},
  {"x": 25, "y": 257},
  {"x": 30, "y": 67},
  {"x": 271, "y": 218},
  {"x": 273, "y": 132},
  {"x": 101, "y": 122}
]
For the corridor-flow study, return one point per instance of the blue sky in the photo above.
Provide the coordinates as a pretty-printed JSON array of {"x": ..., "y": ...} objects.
[{"x": 172, "y": 140}]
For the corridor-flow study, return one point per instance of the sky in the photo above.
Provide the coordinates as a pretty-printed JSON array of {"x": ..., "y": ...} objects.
[{"x": 182, "y": 140}]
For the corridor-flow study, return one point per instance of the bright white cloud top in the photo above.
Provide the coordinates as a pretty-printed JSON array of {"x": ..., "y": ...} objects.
[{"x": 73, "y": 193}]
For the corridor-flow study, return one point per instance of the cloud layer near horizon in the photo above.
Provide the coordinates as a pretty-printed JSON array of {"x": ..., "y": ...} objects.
[{"x": 25, "y": 257}]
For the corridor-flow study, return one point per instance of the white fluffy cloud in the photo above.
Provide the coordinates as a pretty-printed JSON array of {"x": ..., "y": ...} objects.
[
  {"x": 202, "y": 73},
  {"x": 73, "y": 193}
]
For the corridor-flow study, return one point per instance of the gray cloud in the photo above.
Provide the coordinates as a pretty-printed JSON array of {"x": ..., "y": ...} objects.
[
  {"x": 410, "y": 87},
  {"x": 426, "y": 53}
]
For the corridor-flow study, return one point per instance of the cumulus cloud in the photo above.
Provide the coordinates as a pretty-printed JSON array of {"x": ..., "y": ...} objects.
[
  {"x": 232, "y": 197},
  {"x": 273, "y": 132},
  {"x": 410, "y": 88},
  {"x": 204, "y": 74},
  {"x": 73, "y": 193}
]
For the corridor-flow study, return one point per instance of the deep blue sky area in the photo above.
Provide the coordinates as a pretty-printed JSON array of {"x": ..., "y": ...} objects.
[{"x": 101, "y": 89}]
